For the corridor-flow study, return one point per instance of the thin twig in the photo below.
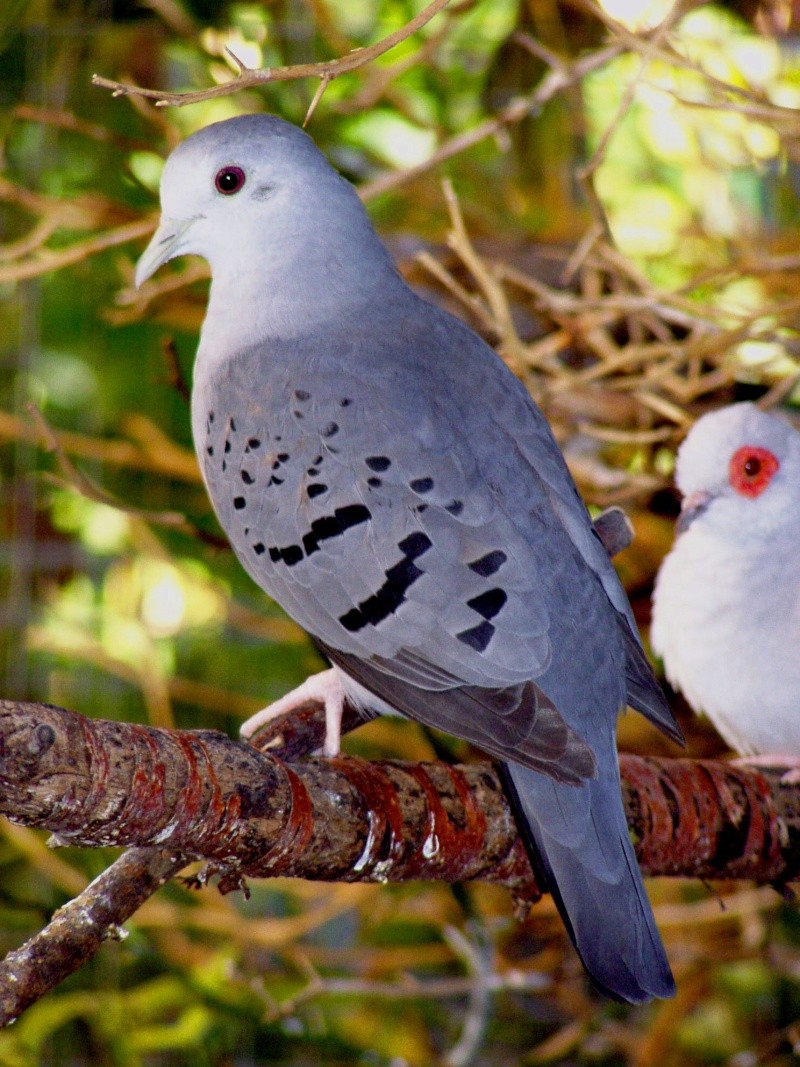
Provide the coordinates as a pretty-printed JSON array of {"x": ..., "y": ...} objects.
[
  {"x": 248, "y": 78},
  {"x": 549, "y": 87}
]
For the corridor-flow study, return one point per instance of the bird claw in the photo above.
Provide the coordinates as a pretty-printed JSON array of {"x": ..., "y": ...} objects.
[{"x": 324, "y": 688}]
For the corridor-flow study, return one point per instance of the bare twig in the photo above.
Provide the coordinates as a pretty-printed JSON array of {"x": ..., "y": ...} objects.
[
  {"x": 549, "y": 87},
  {"x": 80, "y": 928},
  {"x": 326, "y": 71},
  {"x": 86, "y": 487},
  {"x": 49, "y": 259},
  {"x": 65, "y": 120},
  {"x": 147, "y": 452}
]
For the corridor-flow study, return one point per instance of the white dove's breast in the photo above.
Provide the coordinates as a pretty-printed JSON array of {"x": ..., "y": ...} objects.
[{"x": 728, "y": 629}]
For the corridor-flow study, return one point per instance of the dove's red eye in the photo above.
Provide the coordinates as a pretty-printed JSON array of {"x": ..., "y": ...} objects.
[
  {"x": 229, "y": 180},
  {"x": 751, "y": 470}
]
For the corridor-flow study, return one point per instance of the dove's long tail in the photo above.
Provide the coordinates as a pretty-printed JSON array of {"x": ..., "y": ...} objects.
[{"x": 578, "y": 842}]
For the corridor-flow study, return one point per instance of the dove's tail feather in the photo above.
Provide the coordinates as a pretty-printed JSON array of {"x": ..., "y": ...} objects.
[
  {"x": 578, "y": 842},
  {"x": 644, "y": 692}
]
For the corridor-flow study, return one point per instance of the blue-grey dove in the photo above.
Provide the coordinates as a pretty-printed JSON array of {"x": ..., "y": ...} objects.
[{"x": 385, "y": 478}]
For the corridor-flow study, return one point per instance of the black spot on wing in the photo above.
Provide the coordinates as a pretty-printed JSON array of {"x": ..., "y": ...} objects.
[
  {"x": 421, "y": 485},
  {"x": 489, "y": 603},
  {"x": 316, "y": 489},
  {"x": 290, "y": 555},
  {"x": 322, "y": 529},
  {"x": 415, "y": 544},
  {"x": 328, "y": 526},
  {"x": 399, "y": 579},
  {"x": 378, "y": 463},
  {"x": 478, "y": 637},
  {"x": 488, "y": 564},
  {"x": 455, "y": 507}
]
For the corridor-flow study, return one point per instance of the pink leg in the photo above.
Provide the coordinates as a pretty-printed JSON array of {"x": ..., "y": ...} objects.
[{"x": 324, "y": 688}]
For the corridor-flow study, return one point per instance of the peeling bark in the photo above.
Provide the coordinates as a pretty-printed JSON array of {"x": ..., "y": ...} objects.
[{"x": 177, "y": 795}]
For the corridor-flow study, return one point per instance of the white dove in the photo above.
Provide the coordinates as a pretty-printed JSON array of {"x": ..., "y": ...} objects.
[{"x": 726, "y": 606}]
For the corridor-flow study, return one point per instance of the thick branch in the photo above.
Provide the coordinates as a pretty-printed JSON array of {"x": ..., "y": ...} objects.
[
  {"x": 199, "y": 794},
  {"x": 94, "y": 782}
]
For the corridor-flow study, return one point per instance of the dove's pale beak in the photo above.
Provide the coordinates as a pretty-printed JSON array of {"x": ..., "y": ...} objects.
[
  {"x": 692, "y": 507},
  {"x": 168, "y": 242}
]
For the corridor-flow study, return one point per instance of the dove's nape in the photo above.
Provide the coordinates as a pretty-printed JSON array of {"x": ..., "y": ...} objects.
[{"x": 385, "y": 478}]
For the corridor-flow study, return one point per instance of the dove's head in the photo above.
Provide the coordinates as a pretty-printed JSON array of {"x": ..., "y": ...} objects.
[
  {"x": 254, "y": 194},
  {"x": 739, "y": 473}
]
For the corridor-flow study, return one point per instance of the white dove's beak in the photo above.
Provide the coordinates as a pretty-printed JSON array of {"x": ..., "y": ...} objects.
[
  {"x": 167, "y": 243},
  {"x": 692, "y": 507}
]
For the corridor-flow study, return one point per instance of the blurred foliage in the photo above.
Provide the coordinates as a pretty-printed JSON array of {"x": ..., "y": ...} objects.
[{"x": 121, "y": 612}]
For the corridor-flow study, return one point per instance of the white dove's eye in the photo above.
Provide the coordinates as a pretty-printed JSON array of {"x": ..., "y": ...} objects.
[
  {"x": 751, "y": 470},
  {"x": 229, "y": 180}
]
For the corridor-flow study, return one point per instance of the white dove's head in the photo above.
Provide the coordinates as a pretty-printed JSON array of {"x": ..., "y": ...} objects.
[
  {"x": 255, "y": 191},
  {"x": 739, "y": 473}
]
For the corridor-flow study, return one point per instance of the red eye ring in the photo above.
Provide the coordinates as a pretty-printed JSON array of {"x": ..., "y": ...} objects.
[
  {"x": 751, "y": 470},
  {"x": 229, "y": 180}
]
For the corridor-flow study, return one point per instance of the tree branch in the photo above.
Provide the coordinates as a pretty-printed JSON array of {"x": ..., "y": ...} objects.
[
  {"x": 247, "y": 78},
  {"x": 201, "y": 795}
]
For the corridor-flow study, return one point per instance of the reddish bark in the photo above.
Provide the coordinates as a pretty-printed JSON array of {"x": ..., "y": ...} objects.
[
  {"x": 95, "y": 782},
  {"x": 199, "y": 794}
]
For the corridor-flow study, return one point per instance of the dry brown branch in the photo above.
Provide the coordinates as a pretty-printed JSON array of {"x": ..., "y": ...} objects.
[
  {"x": 550, "y": 86},
  {"x": 379, "y": 79},
  {"x": 141, "y": 454},
  {"x": 585, "y": 174},
  {"x": 652, "y": 49},
  {"x": 49, "y": 259},
  {"x": 65, "y": 120},
  {"x": 199, "y": 794},
  {"x": 84, "y": 485},
  {"x": 511, "y": 348},
  {"x": 78, "y": 929},
  {"x": 246, "y": 78}
]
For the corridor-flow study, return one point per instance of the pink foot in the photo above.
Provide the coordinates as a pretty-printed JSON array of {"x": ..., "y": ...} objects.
[
  {"x": 325, "y": 688},
  {"x": 776, "y": 761}
]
